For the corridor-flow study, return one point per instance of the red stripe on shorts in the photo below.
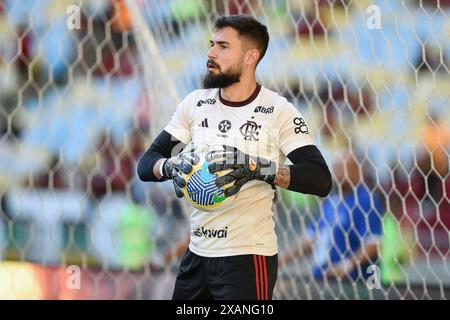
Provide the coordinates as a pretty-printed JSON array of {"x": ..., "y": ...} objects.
[
  {"x": 258, "y": 294},
  {"x": 266, "y": 286},
  {"x": 261, "y": 276}
]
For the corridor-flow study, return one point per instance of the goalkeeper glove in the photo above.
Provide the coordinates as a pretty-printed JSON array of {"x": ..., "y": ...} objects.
[
  {"x": 181, "y": 163},
  {"x": 245, "y": 168}
]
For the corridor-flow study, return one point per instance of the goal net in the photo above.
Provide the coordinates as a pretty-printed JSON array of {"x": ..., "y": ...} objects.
[{"x": 86, "y": 85}]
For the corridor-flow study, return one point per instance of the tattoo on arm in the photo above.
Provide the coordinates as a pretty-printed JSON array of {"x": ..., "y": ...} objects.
[{"x": 283, "y": 177}]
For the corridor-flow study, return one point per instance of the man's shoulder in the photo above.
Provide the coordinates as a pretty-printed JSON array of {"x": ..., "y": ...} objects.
[
  {"x": 273, "y": 98},
  {"x": 201, "y": 97},
  {"x": 204, "y": 93}
]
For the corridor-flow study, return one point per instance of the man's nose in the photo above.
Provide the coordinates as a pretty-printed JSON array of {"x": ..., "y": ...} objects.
[{"x": 211, "y": 53}]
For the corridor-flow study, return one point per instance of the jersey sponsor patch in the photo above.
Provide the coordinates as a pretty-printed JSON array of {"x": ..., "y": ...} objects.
[
  {"x": 300, "y": 126},
  {"x": 206, "y": 101},
  {"x": 264, "y": 110},
  {"x": 224, "y": 126},
  {"x": 210, "y": 233}
]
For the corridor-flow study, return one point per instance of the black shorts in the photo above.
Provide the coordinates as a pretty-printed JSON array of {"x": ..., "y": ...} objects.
[{"x": 247, "y": 277}]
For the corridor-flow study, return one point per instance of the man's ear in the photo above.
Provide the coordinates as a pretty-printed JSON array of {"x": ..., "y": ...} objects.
[{"x": 251, "y": 57}]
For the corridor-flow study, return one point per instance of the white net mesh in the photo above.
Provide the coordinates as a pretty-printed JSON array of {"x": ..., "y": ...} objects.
[{"x": 82, "y": 96}]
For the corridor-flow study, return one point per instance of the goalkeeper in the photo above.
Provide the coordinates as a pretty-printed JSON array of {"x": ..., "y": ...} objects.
[{"x": 258, "y": 130}]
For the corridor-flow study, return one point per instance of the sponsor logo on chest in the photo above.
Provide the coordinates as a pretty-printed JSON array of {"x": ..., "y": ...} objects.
[
  {"x": 201, "y": 232},
  {"x": 261, "y": 109},
  {"x": 206, "y": 101}
]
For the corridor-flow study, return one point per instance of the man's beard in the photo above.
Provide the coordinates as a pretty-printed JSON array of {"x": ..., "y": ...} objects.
[{"x": 223, "y": 79}]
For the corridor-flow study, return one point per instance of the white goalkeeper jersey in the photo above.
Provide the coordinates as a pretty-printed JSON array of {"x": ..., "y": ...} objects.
[{"x": 265, "y": 125}]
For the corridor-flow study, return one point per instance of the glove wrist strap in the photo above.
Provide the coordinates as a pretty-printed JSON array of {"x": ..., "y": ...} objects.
[{"x": 163, "y": 170}]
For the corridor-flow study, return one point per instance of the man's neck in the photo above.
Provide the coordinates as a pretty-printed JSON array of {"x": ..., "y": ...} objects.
[{"x": 239, "y": 91}]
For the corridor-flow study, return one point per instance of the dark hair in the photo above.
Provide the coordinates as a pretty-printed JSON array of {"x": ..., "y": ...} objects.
[{"x": 247, "y": 27}]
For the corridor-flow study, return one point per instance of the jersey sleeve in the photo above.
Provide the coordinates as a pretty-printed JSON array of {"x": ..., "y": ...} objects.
[
  {"x": 180, "y": 124},
  {"x": 293, "y": 131}
]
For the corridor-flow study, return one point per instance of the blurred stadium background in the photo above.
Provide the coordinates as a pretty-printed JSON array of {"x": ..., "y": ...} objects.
[{"x": 78, "y": 107}]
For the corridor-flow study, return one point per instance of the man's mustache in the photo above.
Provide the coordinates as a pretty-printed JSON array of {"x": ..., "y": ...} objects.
[{"x": 213, "y": 63}]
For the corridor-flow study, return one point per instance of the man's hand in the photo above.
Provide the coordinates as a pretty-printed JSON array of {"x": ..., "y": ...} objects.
[
  {"x": 173, "y": 166},
  {"x": 245, "y": 168}
]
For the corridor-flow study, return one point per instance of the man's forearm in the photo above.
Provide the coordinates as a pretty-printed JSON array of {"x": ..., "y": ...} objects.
[
  {"x": 306, "y": 178},
  {"x": 163, "y": 147},
  {"x": 309, "y": 173},
  {"x": 156, "y": 168},
  {"x": 148, "y": 168}
]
